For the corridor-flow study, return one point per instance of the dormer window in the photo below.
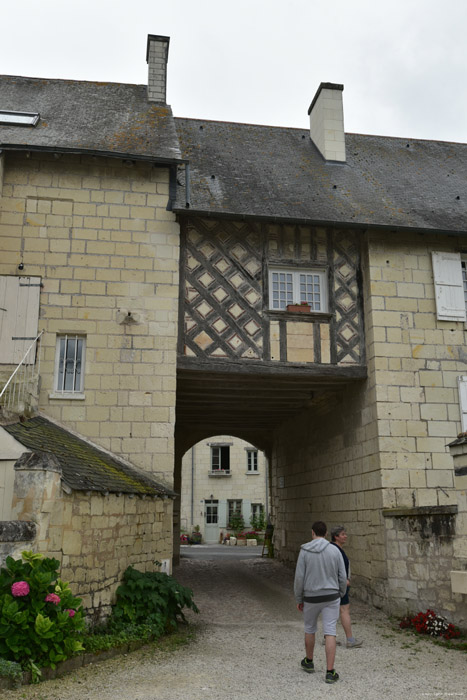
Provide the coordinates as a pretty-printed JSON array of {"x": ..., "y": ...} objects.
[{"x": 19, "y": 118}]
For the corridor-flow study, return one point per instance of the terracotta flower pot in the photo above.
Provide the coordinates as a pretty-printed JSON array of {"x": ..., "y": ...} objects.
[{"x": 299, "y": 308}]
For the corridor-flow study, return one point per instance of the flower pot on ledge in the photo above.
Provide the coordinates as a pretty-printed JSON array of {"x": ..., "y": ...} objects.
[{"x": 299, "y": 308}]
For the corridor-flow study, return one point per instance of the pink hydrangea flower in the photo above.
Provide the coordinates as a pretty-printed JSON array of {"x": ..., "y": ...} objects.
[
  {"x": 71, "y": 612},
  {"x": 52, "y": 598},
  {"x": 19, "y": 589}
]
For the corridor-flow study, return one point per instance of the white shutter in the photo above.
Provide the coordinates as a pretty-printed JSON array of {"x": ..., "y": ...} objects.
[
  {"x": 19, "y": 316},
  {"x": 222, "y": 514},
  {"x": 449, "y": 287},
  {"x": 462, "y": 384}
]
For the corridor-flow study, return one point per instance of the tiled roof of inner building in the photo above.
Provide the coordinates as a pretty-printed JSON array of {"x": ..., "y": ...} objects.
[
  {"x": 84, "y": 466},
  {"x": 88, "y": 117},
  {"x": 243, "y": 170}
]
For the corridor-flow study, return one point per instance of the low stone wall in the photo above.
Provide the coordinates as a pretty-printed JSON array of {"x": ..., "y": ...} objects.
[
  {"x": 94, "y": 535},
  {"x": 421, "y": 552},
  {"x": 15, "y": 537}
]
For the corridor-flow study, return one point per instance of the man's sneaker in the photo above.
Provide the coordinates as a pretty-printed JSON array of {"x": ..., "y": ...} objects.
[
  {"x": 353, "y": 645},
  {"x": 331, "y": 677},
  {"x": 338, "y": 643},
  {"x": 307, "y": 666}
]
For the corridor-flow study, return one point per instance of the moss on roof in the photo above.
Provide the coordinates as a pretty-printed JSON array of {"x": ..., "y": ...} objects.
[{"x": 84, "y": 466}]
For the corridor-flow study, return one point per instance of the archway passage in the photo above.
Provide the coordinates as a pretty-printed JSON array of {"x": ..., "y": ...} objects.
[{"x": 250, "y": 403}]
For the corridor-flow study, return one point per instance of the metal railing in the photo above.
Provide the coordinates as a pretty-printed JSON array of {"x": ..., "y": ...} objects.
[{"x": 23, "y": 382}]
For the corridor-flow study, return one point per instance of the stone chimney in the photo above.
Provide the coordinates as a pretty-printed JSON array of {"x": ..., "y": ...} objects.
[
  {"x": 157, "y": 54},
  {"x": 327, "y": 122}
]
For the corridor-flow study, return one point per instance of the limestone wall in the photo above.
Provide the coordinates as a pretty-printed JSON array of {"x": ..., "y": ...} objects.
[
  {"x": 98, "y": 233},
  {"x": 325, "y": 467},
  {"x": 376, "y": 460},
  {"x": 417, "y": 360},
  {"x": 94, "y": 536}
]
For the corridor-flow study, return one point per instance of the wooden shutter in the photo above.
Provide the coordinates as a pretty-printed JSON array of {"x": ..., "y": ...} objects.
[
  {"x": 449, "y": 287},
  {"x": 19, "y": 316},
  {"x": 462, "y": 384}
]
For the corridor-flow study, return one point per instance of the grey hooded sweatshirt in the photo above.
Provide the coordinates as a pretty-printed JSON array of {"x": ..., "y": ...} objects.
[{"x": 320, "y": 571}]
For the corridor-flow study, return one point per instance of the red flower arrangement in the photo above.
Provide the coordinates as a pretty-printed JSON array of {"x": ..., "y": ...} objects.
[{"x": 432, "y": 624}]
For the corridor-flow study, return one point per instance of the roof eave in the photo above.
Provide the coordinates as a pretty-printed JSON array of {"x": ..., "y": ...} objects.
[
  {"x": 325, "y": 223},
  {"x": 93, "y": 152}
]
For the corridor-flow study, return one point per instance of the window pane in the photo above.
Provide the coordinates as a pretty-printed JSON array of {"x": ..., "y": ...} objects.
[{"x": 70, "y": 364}]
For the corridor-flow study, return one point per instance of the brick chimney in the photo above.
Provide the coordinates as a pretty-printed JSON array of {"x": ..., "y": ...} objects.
[
  {"x": 327, "y": 122},
  {"x": 157, "y": 54}
]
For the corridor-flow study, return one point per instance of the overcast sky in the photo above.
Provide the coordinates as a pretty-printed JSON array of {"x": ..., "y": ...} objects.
[{"x": 403, "y": 63}]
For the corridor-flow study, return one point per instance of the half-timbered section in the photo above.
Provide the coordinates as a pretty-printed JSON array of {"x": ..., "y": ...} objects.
[{"x": 270, "y": 292}]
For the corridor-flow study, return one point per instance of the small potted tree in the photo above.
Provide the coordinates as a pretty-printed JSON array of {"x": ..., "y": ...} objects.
[{"x": 196, "y": 536}]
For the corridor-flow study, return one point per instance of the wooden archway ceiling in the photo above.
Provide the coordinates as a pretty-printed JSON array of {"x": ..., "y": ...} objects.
[{"x": 235, "y": 401}]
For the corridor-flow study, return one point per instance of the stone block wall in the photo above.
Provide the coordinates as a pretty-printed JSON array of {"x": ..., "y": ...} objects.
[
  {"x": 417, "y": 361},
  {"x": 383, "y": 447},
  {"x": 325, "y": 467},
  {"x": 94, "y": 536},
  {"x": 98, "y": 233}
]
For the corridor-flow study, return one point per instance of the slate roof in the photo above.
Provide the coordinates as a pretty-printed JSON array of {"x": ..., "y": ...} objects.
[
  {"x": 88, "y": 117},
  {"x": 84, "y": 466},
  {"x": 245, "y": 170}
]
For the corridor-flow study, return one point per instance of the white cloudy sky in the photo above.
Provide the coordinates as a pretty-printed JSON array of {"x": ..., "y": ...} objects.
[{"x": 403, "y": 63}]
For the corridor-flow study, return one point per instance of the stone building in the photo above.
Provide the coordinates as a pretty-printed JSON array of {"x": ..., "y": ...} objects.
[
  {"x": 220, "y": 477},
  {"x": 90, "y": 251},
  {"x": 299, "y": 289}
]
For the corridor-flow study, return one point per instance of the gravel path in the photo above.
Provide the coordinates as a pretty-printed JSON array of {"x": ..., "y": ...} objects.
[{"x": 249, "y": 643}]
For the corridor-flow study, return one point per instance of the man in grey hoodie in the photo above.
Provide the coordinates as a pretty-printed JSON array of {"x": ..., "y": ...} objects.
[{"x": 320, "y": 583}]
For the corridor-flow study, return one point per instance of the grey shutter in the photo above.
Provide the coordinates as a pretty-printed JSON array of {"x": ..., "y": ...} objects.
[
  {"x": 462, "y": 384},
  {"x": 19, "y": 316},
  {"x": 449, "y": 287},
  {"x": 222, "y": 513}
]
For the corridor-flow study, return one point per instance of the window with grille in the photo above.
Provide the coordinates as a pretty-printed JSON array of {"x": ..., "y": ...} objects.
[
  {"x": 252, "y": 460},
  {"x": 297, "y": 286},
  {"x": 69, "y": 365}
]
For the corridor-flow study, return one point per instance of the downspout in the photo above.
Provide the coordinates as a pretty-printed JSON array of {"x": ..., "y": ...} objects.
[
  {"x": 266, "y": 485},
  {"x": 1, "y": 171},
  {"x": 187, "y": 186},
  {"x": 192, "y": 485}
]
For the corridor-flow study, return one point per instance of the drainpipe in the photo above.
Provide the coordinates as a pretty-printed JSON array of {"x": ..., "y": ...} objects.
[
  {"x": 187, "y": 186},
  {"x": 266, "y": 486},
  {"x": 192, "y": 485}
]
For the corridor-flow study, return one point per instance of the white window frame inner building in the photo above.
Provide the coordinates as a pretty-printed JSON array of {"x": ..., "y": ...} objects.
[
  {"x": 70, "y": 357},
  {"x": 234, "y": 507},
  {"x": 294, "y": 286},
  {"x": 252, "y": 461}
]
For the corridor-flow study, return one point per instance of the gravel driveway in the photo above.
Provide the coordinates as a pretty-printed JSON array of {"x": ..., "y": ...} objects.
[{"x": 249, "y": 643}]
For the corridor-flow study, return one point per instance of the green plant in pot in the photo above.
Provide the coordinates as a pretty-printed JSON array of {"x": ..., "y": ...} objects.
[{"x": 196, "y": 536}]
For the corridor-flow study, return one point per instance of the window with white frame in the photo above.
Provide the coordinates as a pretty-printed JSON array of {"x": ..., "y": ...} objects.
[
  {"x": 297, "y": 286},
  {"x": 69, "y": 364},
  {"x": 235, "y": 508},
  {"x": 220, "y": 458},
  {"x": 256, "y": 510},
  {"x": 212, "y": 511},
  {"x": 450, "y": 280},
  {"x": 252, "y": 460}
]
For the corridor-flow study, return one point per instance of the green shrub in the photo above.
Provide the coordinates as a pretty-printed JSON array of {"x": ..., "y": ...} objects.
[
  {"x": 40, "y": 620},
  {"x": 236, "y": 522},
  {"x": 152, "y": 599},
  {"x": 11, "y": 669}
]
